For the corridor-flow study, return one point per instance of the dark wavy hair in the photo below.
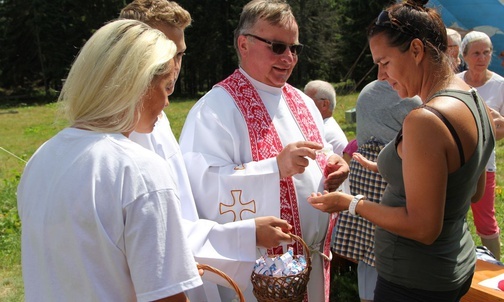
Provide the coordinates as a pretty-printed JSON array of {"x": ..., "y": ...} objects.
[{"x": 405, "y": 21}]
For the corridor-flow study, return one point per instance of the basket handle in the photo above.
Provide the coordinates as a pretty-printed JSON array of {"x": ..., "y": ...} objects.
[
  {"x": 306, "y": 248},
  {"x": 225, "y": 276}
]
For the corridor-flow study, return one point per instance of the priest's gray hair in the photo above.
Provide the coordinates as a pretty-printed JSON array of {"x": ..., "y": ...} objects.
[{"x": 275, "y": 12}]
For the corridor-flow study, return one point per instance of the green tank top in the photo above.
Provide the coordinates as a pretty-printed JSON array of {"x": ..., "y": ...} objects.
[{"x": 449, "y": 261}]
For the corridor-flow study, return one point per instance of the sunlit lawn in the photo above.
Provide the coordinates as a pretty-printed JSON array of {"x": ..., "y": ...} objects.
[{"x": 24, "y": 129}]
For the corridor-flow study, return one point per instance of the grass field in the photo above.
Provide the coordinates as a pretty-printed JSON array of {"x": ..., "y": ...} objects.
[{"x": 24, "y": 129}]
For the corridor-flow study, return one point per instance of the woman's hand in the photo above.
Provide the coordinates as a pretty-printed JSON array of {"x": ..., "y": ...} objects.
[
  {"x": 498, "y": 121},
  {"x": 366, "y": 163},
  {"x": 330, "y": 202}
]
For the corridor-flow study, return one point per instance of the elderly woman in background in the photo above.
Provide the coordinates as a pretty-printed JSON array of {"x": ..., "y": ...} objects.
[
  {"x": 434, "y": 167},
  {"x": 100, "y": 214},
  {"x": 454, "y": 40},
  {"x": 477, "y": 51}
]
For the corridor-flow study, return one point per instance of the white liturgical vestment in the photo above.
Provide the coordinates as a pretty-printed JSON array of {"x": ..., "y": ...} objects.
[
  {"x": 228, "y": 185},
  {"x": 217, "y": 245}
]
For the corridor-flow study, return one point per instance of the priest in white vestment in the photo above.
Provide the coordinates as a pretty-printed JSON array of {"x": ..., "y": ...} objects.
[{"x": 252, "y": 145}]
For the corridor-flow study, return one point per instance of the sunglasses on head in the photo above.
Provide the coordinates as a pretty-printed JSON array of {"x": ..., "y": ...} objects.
[
  {"x": 385, "y": 20},
  {"x": 277, "y": 47}
]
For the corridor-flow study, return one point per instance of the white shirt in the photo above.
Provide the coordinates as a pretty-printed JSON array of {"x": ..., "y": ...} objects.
[
  {"x": 214, "y": 244},
  {"x": 492, "y": 93},
  {"x": 334, "y": 135},
  {"x": 101, "y": 222}
]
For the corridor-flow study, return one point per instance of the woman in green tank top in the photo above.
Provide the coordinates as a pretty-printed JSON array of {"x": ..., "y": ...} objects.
[{"x": 434, "y": 168}]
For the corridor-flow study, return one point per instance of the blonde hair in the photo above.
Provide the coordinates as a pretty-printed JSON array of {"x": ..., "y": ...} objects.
[
  {"x": 157, "y": 11},
  {"x": 105, "y": 86}
]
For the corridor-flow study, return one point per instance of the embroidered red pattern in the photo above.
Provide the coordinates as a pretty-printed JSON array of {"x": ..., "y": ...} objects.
[{"x": 265, "y": 143}]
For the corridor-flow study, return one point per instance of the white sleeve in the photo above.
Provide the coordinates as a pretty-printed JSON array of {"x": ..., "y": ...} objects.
[
  {"x": 335, "y": 136},
  {"x": 158, "y": 255},
  {"x": 229, "y": 247}
]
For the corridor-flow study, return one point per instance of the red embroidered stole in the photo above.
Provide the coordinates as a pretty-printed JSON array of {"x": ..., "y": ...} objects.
[{"x": 265, "y": 143}]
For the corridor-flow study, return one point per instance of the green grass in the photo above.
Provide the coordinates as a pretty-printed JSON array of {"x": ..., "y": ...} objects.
[{"x": 24, "y": 129}]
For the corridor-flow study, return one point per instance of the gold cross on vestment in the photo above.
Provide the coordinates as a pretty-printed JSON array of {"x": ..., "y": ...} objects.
[{"x": 237, "y": 208}]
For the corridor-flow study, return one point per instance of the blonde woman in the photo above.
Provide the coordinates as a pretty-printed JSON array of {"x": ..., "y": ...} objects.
[{"x": 100, "y": 214}]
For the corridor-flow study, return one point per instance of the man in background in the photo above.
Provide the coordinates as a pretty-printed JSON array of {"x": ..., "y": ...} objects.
[
  {"x": 453, "y": 51},
  {"x": 324, "y": 96}
]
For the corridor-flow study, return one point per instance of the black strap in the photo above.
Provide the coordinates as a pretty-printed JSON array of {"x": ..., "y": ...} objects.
[
  {"x": 455, "y": 94},
  {"x": 398, "y": 138},
  {"x": 479, "y": 104},
  {"x": 452, "y": 131},
  {"x": 480, "y": 112}
]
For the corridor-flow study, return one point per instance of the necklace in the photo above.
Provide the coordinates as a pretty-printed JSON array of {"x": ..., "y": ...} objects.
[
  {"x": 433, "y": 91},
  {"x": 439, "y": 85}
]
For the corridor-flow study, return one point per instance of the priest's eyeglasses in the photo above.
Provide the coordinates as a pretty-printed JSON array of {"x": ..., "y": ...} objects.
[
  {"x": 277, "y": 47},
  {"x": 386, "y": 20}
]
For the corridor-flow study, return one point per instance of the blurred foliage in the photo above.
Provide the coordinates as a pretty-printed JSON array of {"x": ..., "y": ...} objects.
[{"x": 40, "y": 40}]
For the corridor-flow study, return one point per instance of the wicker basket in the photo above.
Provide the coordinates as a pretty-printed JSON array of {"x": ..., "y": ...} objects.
[
  {"x": 225, "y": 276},
  {"x": 286, "y": 288}
]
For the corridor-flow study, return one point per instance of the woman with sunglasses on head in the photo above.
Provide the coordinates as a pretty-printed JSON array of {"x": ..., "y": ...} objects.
[{"x": 435, "y": 167}]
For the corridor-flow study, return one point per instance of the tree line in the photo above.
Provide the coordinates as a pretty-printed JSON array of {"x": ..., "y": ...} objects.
[{"x": 40, "y": 38}]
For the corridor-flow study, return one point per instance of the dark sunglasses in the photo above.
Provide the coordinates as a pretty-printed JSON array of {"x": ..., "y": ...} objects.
[
  {"x": 277, "y": 47},
  {"x": 385, "y": 20}
]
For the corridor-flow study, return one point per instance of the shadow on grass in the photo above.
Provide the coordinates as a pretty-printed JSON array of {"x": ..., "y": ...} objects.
[{"x": 344, "y": 287}]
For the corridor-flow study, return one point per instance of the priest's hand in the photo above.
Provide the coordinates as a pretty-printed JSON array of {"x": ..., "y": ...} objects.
[
  {"x": 293, "y": 159},
  {"x": 335, "y": 172},
  {"x": 271, "y": 231}
]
